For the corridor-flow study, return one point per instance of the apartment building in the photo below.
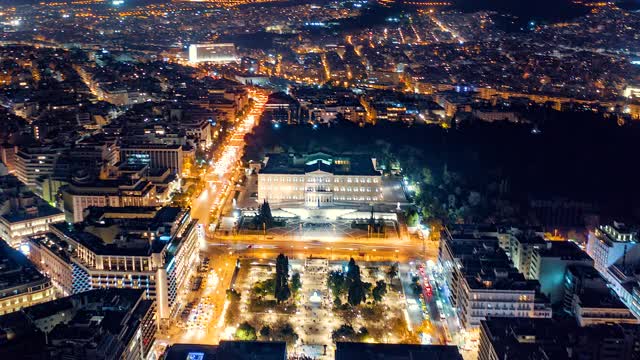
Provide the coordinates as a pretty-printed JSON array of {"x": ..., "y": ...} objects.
[
  {"x": 146, "y": 248},
  {"x": 482, "y": 282}
]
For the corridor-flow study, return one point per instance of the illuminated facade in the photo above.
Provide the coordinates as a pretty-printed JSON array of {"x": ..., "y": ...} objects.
[
  {"x": 218, "y": 53},
  {"x": 157, "y": 156},
  {"x": 481, "y": 289},
  {"x": 21, "y": 284},
  {"x": 79, "y": 196},
  {"x": 141, "y": 248},
  {"x": 33, "y": 162},
  {"x": 319, "y": 180},
  {"x": 609, "y": 243},
  {"x": 22, "y": 213}
]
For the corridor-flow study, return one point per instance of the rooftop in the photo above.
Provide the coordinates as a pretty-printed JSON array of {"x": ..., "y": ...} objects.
[
  {"x": 15, "y": 271},
  {"x": 566, "y": 250},
  {"x": 366, "y": 351},
  {"x": 133, "y": 231},
  {"x": 558, "y": 339},
  {"x": 485, "y": 265},
  {"x": 300, "y": 164},
  {"x": 93, "y": 318},
  {"x": 228, "y": 350},
  {"x": 43, "y": 210}
]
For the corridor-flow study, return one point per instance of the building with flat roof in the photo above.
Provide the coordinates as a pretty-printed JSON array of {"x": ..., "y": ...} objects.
[
  {"x": 154, "y": 249},
  {"x": 367, "y": 351},
  {"x": 228, "y": 350},
  {"x": 52, "y": 259},
  {"x": 543, "y": 339},
  {"x": 157, "y": 155},
  {"x": 616, "y": 254},
  {"x": 21, "y": 284},
  {"x": 320, "y": 180},
  {"x": 589, "y": 299},
  {"x": 97, "y": 324},
  {"x": 217, "y": 53},
  {"x": 36, "y": 161},
  {"x": 84, "y": 192},
  {"x": 22, "y": 213},
  {"x": 482, "y": 282},
  {"x": 549, "y": 263},
  {"x": 609, "y": 243},
  {"x": 521, "y": 249}
]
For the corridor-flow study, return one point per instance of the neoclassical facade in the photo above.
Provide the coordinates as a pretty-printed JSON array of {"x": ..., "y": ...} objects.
[{"x": 319, "y": 180}]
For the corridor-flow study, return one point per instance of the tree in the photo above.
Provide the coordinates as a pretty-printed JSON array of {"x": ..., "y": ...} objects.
[
  {"x": 427, "y": 176},
  {"x": 392, "y": 272},
  {"x": 281, "y": 290},
  {"x": 264, "y": 218},
  {"x": 264, "y": 287},
  {"x": 413, "y": 218},
  {"x": 347, "y": 333},
  {"x": 357, "y": 293},
  {"x": 265, "y": 332},
  {"x": 379, "y": 291},
  {"x": 233, "y": 295},
  {"x": 353, "y": 273},
  {"x": 246, "y": 332},
  {"x": 286, "y": 333},
  {"x": 343, "y": 333},
  {"x": 474, "y": 198},
  {"x": 336, "y": 282},
  {"x": 296, "y": 284}
]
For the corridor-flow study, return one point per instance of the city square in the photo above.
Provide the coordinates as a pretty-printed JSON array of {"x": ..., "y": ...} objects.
[{"x": 313, "y": 312}]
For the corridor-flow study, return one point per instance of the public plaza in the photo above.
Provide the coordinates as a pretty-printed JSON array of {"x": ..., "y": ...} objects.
[{"x": 311, "y": 310}]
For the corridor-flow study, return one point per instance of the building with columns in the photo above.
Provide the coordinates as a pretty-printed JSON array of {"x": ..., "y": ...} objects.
[{"x": 320, "y": 180}]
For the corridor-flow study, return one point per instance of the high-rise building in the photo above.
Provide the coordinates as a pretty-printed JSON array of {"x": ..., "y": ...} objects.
[
  {"x": 368, "y": 351},
  {"x": 83, "y": 193},
  {"x": 218, "y": 53},
  {"x": 589, "y": 299},
  {"x": 549, "y": 264},
  {"x": 22, "y": 213}
]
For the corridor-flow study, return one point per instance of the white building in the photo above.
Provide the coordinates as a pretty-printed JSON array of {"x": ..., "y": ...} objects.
[
  {"x": 156, "y": 156},
  {"x": 22, "y": 213},
  {"x": 482, "y": 282},
  {"x": 609, "y": 243},
  {"x": 319, "y": 180},
  {"x": 156, "y": 250},
  {"x": 80, "y": 195},
  {"x": 21, "y": 284},
  {"x": 33, "y": 162},
  {"x": 588, "y": 297},
  {"x": 218, "y": 53}
]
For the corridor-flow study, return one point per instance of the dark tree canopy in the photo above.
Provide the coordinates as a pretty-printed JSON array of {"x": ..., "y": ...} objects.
[{"x": 282, "y": 291}]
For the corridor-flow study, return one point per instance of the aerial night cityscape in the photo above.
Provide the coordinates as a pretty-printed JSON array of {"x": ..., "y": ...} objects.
[{"x": 321, "y": 179}]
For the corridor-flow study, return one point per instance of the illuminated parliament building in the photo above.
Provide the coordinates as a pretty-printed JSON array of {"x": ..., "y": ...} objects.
[{"x": 319, "y": 180}]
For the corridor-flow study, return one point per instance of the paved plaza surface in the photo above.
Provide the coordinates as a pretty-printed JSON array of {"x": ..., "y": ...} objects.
[{"x": 312, "y": 313}]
